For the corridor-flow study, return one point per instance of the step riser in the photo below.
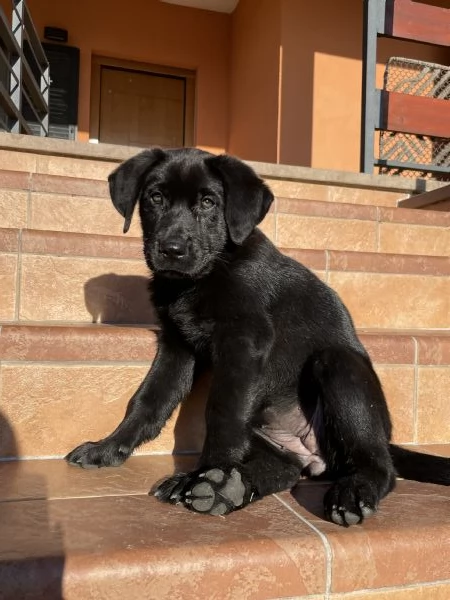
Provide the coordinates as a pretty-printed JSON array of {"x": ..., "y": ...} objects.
[
  {"x": 56, "y": 405},
  {"x": 291, "y": 223},
  {"x": 100, "y": 169},
  {"x": 396, "y": 292}
]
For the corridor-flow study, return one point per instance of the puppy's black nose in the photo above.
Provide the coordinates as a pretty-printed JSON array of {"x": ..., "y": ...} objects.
[{"x": 173, "y": 248}]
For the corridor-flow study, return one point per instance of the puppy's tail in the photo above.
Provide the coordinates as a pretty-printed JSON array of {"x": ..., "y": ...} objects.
[{"x": 420, "y": 467}]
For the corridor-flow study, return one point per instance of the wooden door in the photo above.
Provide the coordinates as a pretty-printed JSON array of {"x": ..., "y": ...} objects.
[{"x": 141, "y": 108}]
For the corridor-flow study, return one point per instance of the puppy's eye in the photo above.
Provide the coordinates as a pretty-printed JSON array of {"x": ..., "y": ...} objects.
[
  {"x": 156, "y": 198},
  {"x": 207, "y": 202}
]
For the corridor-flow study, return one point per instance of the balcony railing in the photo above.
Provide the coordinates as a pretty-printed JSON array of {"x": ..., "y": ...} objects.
[{"x": 24, "y": 74}]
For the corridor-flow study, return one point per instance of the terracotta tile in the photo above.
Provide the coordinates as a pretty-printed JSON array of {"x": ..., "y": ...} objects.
[
  {"x": 53, "y": 408},
  {"x": 8, "y": 270},
  {"x": 434, "y": 350},
  {"x": 311, "y": 232},
  {"x": 67, "y": 404},
  {"x": 336, "y": 210},
  {"x": 76, "y": 343},
  {"x": 429, "y": 591},
  {"x": 13, "y": 208},
  {"x": 69, "y": 185},
  {"x": 60, "y": 212},
  {"x": 433, "y": 407},
  {"x": 420, "y": 217},
  {"x": 414, "y": 239},
  {"x": 313, "y": 259},
  {"x": 14, "y": 180},
  {"x": 259, "y": 553},
  {"x": 84, "y": 289},
  {"x": 74, "y": 167},
  {"x": 18, "y": 161},
  {"x": 9, "y": 240},
  {"x": 396, "y": 547},
  {"x": 79, "y": 244},
  {"x": 54, "y": 479},
  {"x": 268, "y": 226},
  {"x": 389, "y": 349},
  {"x": 374, "y": 262},
  {"x": 436, "y": 449},
  {"x": 399, "y": 384},
  {"x": 332, "y": 193},
  {"x": 400, "y": 301}
]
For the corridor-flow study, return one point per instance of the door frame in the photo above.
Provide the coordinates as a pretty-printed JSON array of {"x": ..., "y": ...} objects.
[{"x": 104, "y": 61}]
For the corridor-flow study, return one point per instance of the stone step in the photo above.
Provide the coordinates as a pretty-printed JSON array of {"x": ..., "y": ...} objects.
[
  {"x": 73, "y": 204},
  {"x": 69, "y": 533},
  {"x": 64, "y": 384},
  {"x": 55, "y": 276}
]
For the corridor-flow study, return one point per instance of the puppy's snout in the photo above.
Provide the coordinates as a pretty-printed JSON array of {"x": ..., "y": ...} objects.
[{"x": 173, "y": 248}]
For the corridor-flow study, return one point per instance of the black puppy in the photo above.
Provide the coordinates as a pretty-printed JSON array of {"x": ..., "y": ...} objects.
[{"x": 293, "y": 392}]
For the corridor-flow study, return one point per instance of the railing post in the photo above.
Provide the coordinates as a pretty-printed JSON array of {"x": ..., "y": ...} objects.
[
  {"x": 18, "y": 27},
  {"x": 374, "y": 15}
]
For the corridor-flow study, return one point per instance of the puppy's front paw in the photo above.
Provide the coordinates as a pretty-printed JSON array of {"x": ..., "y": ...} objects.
[
  {"x": 105, "y": 453},
  {"x": 349, "y": 501},
  {"x": 214, "y": 492}
]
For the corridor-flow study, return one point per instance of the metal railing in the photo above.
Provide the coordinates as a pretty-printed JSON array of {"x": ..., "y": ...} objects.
[
  {"x": 24, "y": 75},
  {"x": 413, "y": 118}
]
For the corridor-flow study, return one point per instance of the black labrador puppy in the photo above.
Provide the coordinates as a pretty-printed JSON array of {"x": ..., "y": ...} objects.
[{"x": 293, "y": 392}]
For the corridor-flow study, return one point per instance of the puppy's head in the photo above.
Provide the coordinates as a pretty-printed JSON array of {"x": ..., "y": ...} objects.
[{"x": 191, "y": 205}]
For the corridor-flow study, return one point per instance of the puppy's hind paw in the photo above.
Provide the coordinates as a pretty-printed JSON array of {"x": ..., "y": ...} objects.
[{"x": 213, "y": 492}]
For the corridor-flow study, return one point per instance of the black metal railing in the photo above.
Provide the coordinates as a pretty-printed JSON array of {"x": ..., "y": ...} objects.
[{"x": 24, "y": 74}]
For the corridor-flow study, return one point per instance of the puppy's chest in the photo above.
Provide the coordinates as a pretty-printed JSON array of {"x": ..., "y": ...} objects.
[{"x": 194, "y": 320}]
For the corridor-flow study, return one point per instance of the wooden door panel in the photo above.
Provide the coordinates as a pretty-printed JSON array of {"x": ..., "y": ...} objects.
[{"x": 141, "y": 109}]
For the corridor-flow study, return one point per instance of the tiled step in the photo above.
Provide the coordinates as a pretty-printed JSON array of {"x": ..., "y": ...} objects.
[
  {"x": 69, "y": 533},
  {"x": 64, "y": 203},
  {"x": 54, "y": 276},
  {"x": 65, "y": 384},
  {"x": 294, "y": 182}
]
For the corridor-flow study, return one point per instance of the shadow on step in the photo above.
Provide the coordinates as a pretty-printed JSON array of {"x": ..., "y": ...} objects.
[
  {"x": 189, "y": 430},
  {"x": 31, "y": 543},
  {"x": 112, "y": 298}
]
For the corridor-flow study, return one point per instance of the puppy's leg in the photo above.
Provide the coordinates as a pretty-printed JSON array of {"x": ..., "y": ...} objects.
[
  {"x": 219, "y": 486},
  {"x": 164, "y": 387},
  {"x": 356, "y": 432},
  {"x": 218, "y": 491}
]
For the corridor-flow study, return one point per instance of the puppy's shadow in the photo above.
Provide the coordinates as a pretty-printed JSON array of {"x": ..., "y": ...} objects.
[
  {"x": 190, "y": 426},
  {"x": 309, "y": 495},
  {"x": 123, "y": 299}
]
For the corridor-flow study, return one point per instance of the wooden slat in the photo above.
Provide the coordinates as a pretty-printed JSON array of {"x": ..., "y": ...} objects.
[
  {"x": 414, "y": 114},
  {"x": 420, "y": 22}
]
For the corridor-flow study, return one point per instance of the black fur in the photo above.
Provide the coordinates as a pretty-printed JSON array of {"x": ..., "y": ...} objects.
[{"x": 293, "y": 391}]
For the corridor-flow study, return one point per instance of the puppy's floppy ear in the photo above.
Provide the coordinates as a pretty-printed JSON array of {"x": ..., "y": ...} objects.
[
  {"x": 125, "y": 183},
  {"x": 247, "y": 197}
]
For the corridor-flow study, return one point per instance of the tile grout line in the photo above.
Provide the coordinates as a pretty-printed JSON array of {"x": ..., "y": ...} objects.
[
  {"x": 377, "y": 221},
  {"x": 327, "y": 266},
  {"x": 18, "y": 277},
  {"x": 416, "y": 386},
  {"x": 325, "y": 542}
]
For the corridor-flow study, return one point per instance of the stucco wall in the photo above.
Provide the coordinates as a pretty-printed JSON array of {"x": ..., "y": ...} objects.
[
  {"x": 153, "y": 32},
  {"x": 318, "y": 64},
  {"x": 277, "y": 81},
  {"x": 254, "y": 80}
]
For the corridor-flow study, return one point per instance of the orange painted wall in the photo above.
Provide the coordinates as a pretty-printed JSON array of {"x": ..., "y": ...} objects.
[
  {"x": 254, "y": 77},
  {"x": 277, "y": 81},
  {"x": 153, "y": 32},
  {"x": 318, "y": 67}
]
